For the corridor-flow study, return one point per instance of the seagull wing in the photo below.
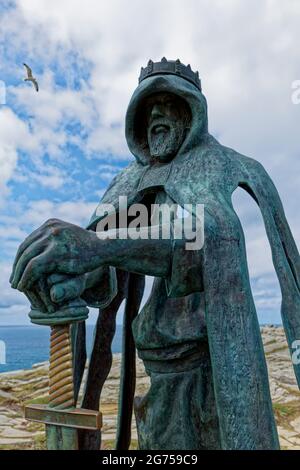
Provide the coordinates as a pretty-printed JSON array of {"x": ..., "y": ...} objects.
[
  {"x": 29, "y": 71},
  {"x": 36, "y": 85}
]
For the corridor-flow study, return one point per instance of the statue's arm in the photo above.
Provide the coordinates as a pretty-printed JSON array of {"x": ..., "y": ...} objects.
[
  {"x": 266, "y": 195},
  {"x": 149, "y": 254},
  {"x": 98, "y": 287},
  {"x": 178, "y": 260},
  {"x": 67, "y": 249},
  {"x": 167, "y": 258}
]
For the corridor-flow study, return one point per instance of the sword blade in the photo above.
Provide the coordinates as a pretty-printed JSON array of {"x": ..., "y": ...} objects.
[{"x": 61, "y": 438}]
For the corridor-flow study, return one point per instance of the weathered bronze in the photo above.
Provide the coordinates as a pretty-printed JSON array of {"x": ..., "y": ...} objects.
[{"x": 198, "y": 333}]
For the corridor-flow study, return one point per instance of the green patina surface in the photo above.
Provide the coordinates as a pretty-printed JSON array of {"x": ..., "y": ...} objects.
[{"x": 198, "y": 334}]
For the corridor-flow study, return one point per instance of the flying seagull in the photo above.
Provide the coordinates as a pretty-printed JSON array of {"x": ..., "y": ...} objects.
[{"x": 30, "y": 77}]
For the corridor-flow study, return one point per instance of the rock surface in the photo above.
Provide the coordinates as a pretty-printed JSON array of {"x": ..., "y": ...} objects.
[{"x": 20, "y": 387}]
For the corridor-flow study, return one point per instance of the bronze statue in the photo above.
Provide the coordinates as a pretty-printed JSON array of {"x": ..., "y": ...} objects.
[{"x": 198, "y": 333}]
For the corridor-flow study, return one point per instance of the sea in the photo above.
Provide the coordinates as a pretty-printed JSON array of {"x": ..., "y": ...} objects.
[{"x": 23, "y": 346}]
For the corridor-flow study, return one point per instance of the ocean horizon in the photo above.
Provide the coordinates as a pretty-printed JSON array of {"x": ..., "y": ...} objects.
[{"x": 28, "y": 345}]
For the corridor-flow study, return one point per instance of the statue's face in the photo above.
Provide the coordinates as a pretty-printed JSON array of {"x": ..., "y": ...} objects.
[{"x": 168, "y": 120}]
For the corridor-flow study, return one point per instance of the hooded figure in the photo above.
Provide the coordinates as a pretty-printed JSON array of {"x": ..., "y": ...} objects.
[{"x": 198, "y": 333}]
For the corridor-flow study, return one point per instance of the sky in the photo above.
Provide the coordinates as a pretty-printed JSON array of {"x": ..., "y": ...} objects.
[{"x": 60, "y": 148}]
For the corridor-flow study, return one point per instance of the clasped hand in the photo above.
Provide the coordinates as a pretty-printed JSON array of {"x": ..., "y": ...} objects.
[
  {"x": 55, "y": 247},
  {"x": 51, "y": 263}
]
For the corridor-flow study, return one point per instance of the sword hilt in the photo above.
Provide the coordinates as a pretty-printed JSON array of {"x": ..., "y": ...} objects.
[
  {"x": 61, "y": 388},
  {"x": 60, "y": 415}
]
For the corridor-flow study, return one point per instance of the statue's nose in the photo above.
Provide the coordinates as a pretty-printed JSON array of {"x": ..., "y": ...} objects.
[{"x": 157, "y": 112}]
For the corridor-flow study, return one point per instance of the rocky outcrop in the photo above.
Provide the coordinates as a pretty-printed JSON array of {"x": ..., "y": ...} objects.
[
  {"x": 284, "y": 389},
  {"x": 21, "y": 387}
]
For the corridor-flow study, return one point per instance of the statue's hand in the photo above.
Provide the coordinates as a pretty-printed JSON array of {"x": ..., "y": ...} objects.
[
  {"x": 64, "y": 288},
  {"x": 39, "y": 297},
  {"x": 56, "y": 300},
  {"x": 57, "y": 289},
  {"x": 56, "y": 247}
]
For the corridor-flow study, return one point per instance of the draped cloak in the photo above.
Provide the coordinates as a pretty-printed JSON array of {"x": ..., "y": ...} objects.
[{"x": 205, "y": 172}]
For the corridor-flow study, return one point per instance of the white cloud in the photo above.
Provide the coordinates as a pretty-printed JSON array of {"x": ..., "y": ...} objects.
[
  {"x": 247, "y": 65},
  {"x": 10, "y": 125},
  {"x": 247, "y": 54},
  {"x": 37, "y": 212},
  {"x": 13, "y": 304},
  {"x": 50, "y": 177}
]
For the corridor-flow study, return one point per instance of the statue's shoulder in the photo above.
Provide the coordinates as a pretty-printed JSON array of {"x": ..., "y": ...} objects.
[
  {"x": 246, "y": 165},
  {"x": 124, "y": 182}
]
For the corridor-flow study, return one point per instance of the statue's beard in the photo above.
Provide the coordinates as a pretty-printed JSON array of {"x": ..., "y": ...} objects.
[{"x": 164, "y": 139}]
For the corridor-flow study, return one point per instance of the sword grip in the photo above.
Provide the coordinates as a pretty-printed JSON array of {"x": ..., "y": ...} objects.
[{"x": 61, "y": 388}]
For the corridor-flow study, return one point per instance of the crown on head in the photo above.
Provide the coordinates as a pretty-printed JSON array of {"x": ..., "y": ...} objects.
[{"x": 173, "y": 67}]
